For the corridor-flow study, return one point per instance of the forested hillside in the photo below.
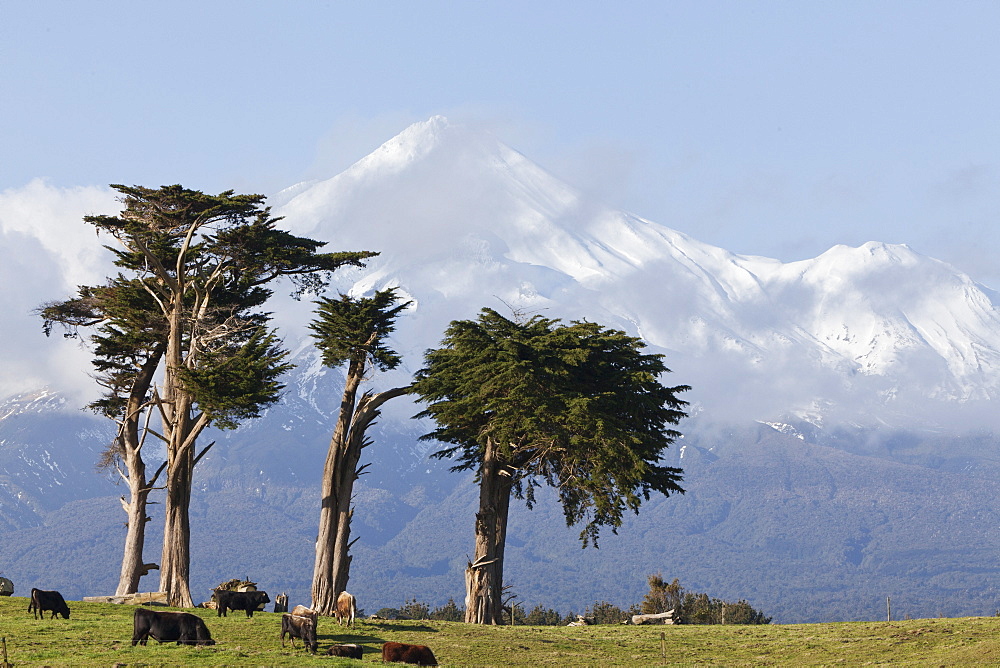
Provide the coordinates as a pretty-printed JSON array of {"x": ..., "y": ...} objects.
[{"x": 804, "y": 532}]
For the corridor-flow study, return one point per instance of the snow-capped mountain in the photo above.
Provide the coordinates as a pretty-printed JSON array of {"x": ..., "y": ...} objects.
[{"x": 868, "y": 335}]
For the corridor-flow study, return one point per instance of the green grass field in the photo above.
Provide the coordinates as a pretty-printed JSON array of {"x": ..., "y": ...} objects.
[{"x": 100, "y": 635}]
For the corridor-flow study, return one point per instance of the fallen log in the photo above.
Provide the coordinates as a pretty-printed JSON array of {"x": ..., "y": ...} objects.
[
  {"x": 659, "y": 618},
  {"x": 145, "y": 598}
]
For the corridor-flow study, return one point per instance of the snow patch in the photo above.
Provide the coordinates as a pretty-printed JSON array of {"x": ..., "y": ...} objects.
[{"x": 783, "y": 428}]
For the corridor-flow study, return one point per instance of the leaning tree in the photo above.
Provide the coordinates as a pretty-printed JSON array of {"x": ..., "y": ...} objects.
[
  {"x": 351, "y": 331},
  {"x": 204, "y": 263},
  {"x": 576, "y": 407}
]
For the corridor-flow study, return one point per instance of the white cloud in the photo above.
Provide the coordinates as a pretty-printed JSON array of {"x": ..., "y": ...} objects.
[
  {"x": 46, "y": 251},
  {"x": 54, "y": 217}
]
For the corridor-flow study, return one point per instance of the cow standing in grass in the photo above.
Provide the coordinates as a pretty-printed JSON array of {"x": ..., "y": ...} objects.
[
  {"x": 182, "y": 627},
  {"x": 304, "y": 628},
  {"x": 42, "y": 600},
  {"x": 239, "y": 600},
  {"x": 346, "y": 608}
]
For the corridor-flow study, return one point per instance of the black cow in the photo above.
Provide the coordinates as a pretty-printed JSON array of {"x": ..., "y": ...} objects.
[
  {"x": 182, "y": 627},
  {"x": 239, "y": 600},
  {"x": 42, "y": 600},
  {"x": 347, "y": 651},
  {"x": 299, "y": 627}
]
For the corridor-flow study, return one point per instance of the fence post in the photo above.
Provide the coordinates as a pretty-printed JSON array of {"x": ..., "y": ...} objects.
[
  {"x": 888, "y": 610},
  {"x": 5, "y": 663},
  {"x": 663, "y": 644}
]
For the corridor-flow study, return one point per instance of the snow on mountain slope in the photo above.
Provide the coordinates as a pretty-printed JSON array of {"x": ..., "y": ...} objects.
[
  {"x": 876, "y": 333},
  {"x": 865, "y": 335}
]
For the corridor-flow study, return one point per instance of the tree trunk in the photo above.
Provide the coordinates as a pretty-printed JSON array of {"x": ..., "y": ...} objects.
[
  {"x": 484, "y": 576},
  {"x": 135, "y": 536},
  {"x": 335, "y": 501},
  {"x": 331, "y": 570},
  {"x": 131, "y": 443},
  {"x": 340, "y": 566},
  {"x": 181, "y": 433},
  {"x": 334, "y": 531},
  {"x": 175, "y": 564}
]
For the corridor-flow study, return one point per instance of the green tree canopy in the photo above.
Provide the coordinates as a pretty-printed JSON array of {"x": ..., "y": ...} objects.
[
  {"x": 578, "y": 407},
  {"x": 350, "y": 329}
]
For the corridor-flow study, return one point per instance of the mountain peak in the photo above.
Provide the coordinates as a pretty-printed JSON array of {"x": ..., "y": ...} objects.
[
  {"x": 872, "y": 251},
  {"x": 413, "y": 143}
]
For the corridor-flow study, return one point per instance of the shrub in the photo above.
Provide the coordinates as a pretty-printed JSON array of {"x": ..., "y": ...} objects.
[
  {"x": 542, "y": 616},
  {"x": 692, "y": 608},
  {"x": 415, "y": 610},
  {"x": 662, "y": 596},
  {"x": 449, "y": 612},
  {"x": 605, "y": 613}
]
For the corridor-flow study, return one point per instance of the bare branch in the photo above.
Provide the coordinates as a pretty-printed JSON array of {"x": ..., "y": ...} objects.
[{"x": 202, "y": 453}]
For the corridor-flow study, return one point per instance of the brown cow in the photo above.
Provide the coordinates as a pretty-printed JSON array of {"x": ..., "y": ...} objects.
[
  {"x": 397, "y": 652},
  {"x": 346, "y": 608},
  {"x": 303, "y": 611},
  {"x": 299, "y": 627}
]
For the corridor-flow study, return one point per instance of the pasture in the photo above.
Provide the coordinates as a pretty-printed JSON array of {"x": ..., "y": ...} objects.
[{"x": 100, "y": 635}]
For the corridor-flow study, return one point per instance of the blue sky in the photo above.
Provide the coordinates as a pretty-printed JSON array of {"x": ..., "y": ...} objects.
[{"x": 771, "y": 128}]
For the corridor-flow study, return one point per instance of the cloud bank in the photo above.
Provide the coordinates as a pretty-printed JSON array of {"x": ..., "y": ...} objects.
[{"x": 46, "y": 251}]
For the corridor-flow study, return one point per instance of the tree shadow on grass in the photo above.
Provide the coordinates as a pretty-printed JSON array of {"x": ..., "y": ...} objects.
[
  {"x": 370, "y": 644},
  {"x": 414, "y": 627},
  {"x": 338, "y": 639}
]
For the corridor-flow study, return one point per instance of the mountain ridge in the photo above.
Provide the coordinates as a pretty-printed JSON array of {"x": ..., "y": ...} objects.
[{"x": 859, "y": 330}]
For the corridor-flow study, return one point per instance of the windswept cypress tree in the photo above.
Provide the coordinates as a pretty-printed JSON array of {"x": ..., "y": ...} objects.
[
  {"x": 576, "y": 407},
  {"x": 351, "y": 331},
  {"x": 203, "y": 263}
]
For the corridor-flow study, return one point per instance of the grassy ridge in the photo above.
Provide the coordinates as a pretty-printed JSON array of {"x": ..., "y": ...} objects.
[{"x": 100, "y": 635}]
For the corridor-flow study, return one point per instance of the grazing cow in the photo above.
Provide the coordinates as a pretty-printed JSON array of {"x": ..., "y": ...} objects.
[
  {"x": 346, "y": 608},
  {"x": 346, "y": 651},
  {"x": 239, "y": 600},
  {"x": 182, "y": 627},
  {"x": 397, "y": 652},
  {"x": 42, "y": 600},
  {"x": 299, "y": 627}
]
